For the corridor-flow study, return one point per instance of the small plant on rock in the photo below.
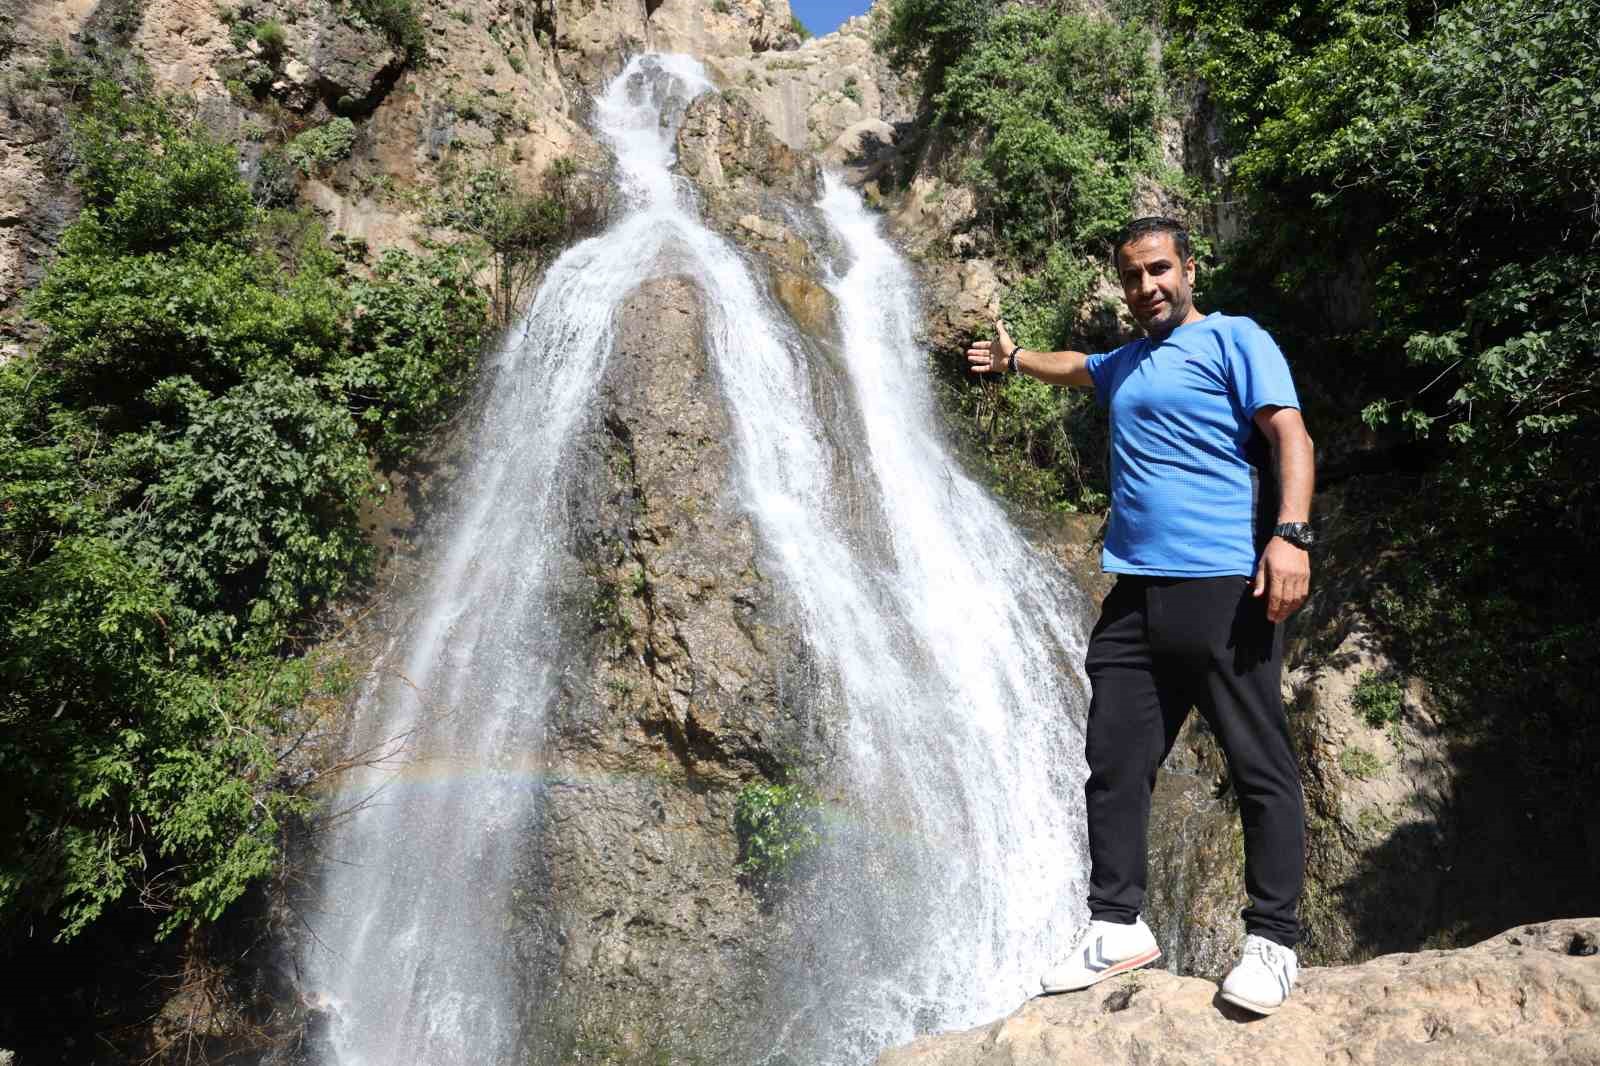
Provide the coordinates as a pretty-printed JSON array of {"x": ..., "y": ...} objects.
[
  {"x": 1377, "y": 699},
  {"x": 271, "y": 37},
  {"x": 1359, "y": 764},
  {"x": 322, "y": 146},
  {"x": 777, "y": 827}
]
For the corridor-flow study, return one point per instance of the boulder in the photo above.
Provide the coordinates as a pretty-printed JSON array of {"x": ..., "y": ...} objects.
[{"x": 1529, "y": 997}]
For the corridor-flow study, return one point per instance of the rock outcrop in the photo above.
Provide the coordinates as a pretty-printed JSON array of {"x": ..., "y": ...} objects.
[
  {"x": 681, "y": 702},
  {"x": 1529, "y": 997},
  {"x": 754, "y": 190},
  {"x": 813, "y": 95}
]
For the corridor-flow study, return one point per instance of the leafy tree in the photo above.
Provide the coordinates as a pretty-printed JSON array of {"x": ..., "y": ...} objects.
[
  {"x": 182, "y": 462},
  {"x": 523, "y": 231},
  {"x": 413, "y": 347}
]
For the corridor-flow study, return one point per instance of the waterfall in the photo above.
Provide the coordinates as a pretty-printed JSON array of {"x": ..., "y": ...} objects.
[
  {"x": 954, "y": 870},
  {"x": 951, "y": 866},
  {"x": 407, "y": 949}
]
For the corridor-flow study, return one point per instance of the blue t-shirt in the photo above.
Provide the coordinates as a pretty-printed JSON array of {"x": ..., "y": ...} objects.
[{"x": 1185, "y": 451}]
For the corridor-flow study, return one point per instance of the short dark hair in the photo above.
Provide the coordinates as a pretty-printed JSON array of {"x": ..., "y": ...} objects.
[{"x": 1142, "y": 227}]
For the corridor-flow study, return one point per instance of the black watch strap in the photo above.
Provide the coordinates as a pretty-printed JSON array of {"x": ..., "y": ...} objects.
[{"x": 1299, "y": 534}]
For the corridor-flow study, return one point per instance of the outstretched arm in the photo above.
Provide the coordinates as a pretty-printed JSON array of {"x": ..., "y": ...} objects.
[
  {"x": 1052, "y": 368},
  {"x": 1284, "y": 574}
]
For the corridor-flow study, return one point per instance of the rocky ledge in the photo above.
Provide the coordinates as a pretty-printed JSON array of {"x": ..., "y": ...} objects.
[{"x": 1528, "y": 996}]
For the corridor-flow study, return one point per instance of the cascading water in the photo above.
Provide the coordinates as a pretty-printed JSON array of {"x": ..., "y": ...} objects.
[
  {"x": 952, "y": 867},
  {"x": 407, "y": 949},
  {"x": 953, "y": 870}
]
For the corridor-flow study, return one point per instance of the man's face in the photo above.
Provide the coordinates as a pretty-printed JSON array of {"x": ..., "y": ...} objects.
[{"x": 1158, "y": 286}]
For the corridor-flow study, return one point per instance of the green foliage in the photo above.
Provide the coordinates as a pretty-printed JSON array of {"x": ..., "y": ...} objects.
[
  {"x": 930, "y": 36},
  {"x": 1426, "y": 172},
  {"x": 182, "y": 462},
  {"x": 720, "y": 6},
  {"x": 798, "y": 28},
  {"x": 851, "y": 90},
  {"x": 413, "y": 347},
  {"x": 399, "y": 22},
  {"x": 522, "y": 231},
  {"x": 319, "y": 147},
  {"x": 1360, "y": 764},
  {"x": 1053, "y": 116},
  {"x": 146, "y": 187},
  {"x": 1065, "y": 107},
  {"x": 276, "y": 181},
  {"x": 272, "y": 38},
  {"x": 1377, "y": 699},
  {"x": 777, "y": 826}
]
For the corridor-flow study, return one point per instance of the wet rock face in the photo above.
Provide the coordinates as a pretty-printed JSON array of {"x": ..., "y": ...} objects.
[
  {"x": 755, "y": 189},
  {"x": 1520, "y": 999},
  {"x": 681, "y": 701},
  {"x": 346, "y": 67},
  {"x": 725, "y": 145},
  {"x": 1196, "y": 859}
]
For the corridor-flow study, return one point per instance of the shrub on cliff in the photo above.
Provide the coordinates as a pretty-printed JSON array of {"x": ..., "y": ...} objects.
[
  {"x": 777, "y": 829},
  {"x": 181, "y": 466},
  {"x": 522, "y": 231}
]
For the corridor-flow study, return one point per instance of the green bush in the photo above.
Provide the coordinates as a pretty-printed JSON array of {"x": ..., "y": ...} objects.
[
  {"x": 318, "y": 148},
  {"x": 1052, "y": 120},
  {"x": 399, "y": 22},
  {"x": 777, "y": 827},
  {"x": 929, "y": 36},
  {"x": 1064, "y": 108},
  {"x": 1377, "y": 699},
  {"x": 522, "y": 230},
  {"x": 276, "y": 181},
  {"x": 1427, "y": 173},
  {"x": 413, "y": 347},
  {"x": 182, "y": 462},
  {"x": 272, "y": 38}
]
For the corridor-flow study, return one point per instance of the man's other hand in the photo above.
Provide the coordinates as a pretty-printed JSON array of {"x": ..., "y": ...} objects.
[
  {"x": 992, "y": 357},
  {"x": 1284, "y": 577}
]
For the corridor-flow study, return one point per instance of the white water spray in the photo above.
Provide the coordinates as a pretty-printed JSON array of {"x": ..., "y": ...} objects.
[
  {"x": 955, "y": 870},
  {"x": 408, "y": 950}
]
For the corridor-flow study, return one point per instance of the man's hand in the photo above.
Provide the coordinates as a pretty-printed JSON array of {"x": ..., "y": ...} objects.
[
  {"x": 1283, "y": 577},
  {"x": 992, "y": 357}
]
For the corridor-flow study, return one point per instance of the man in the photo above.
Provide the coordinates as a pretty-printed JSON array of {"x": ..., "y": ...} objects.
[{"x": 1208, "y": 567}]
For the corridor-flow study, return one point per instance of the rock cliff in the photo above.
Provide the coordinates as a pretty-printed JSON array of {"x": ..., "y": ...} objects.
[
  {"x": 1529, "y": 996},
  {"x": 681, "y": 701}
]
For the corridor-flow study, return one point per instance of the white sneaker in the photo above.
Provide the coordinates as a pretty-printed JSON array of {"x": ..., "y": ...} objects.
[
  {"x": 1106, "y": 950},
  {"x": 1264, "y": 977}
]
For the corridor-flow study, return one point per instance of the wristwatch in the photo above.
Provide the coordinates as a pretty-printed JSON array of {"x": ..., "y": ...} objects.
[{"x": 1299, "y": 534}]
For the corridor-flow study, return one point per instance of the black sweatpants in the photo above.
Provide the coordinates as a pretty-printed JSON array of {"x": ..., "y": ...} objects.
[{"x": 1162, "y": 646}]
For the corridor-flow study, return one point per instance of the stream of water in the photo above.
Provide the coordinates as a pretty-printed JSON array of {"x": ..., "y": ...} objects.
[{"x": 952, "y": 863}]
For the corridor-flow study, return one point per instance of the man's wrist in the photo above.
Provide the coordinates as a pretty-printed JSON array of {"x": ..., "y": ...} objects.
[{"x": 1296, "y": 534}]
